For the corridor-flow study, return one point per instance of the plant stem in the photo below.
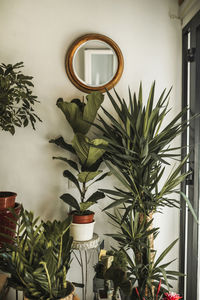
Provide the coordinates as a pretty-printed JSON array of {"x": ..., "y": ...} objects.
[{"x": 83, "y": 192}]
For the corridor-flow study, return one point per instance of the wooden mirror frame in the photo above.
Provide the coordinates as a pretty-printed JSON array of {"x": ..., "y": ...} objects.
[{"x": 69, "y": 63}]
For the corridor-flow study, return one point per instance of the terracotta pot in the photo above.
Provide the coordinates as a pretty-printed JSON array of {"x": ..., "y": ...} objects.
[
  {"x": 7, "y": 199},
  {"x": 8, "y": 223},
  {"x": 83, "y": 219}
]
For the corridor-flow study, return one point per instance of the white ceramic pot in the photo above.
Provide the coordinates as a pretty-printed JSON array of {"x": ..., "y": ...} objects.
[{"x": 82, "y": 232}]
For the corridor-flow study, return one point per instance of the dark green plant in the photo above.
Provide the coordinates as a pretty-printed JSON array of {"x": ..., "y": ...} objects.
[
  {"x": 133, "y": 234},
  {"x": 137, "y": 153},
  {"x": 16, "y": 98},
  {"x": 117, "y": 272},
  {"x": 39, "y": 258},
  {"x": 86, "y": 156}
]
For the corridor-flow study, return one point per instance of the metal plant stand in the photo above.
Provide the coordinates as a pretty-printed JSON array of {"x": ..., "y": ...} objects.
[{"x": 84, "y": 258}]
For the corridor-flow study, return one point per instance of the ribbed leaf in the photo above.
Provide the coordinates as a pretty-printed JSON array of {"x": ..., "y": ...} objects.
[
  {"x": 68, "y": 161},
  {"x": 87, "y": 176},
  {"x": 72, "y": 178},
  {"x": 70, "y": 200},
  {"x": 96, "y": 196}
]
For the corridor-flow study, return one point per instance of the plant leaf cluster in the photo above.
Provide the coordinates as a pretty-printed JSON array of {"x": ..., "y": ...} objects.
[
  {"x": 39, "y": 258},
  {"x": 143, "y": 266},
  {"x": 139, "y": 149},
  {"x": 87, "y": 157},
  {"x": 16, "y": 98}
]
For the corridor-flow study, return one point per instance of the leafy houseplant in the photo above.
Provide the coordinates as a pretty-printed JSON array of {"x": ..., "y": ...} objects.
[
  {"x": 39, "y": 259},
  {"x": 113, "y": 267},
  {"x": 16, "y": 110},
  {"x": 87, "y": 158},
  {"x": 137, "y": 153},
  {"x": 16, "y": 98}
]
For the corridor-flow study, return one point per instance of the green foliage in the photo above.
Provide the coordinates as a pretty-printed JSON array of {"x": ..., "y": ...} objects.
[
  {"x": 144, "y": 267},
  {"x": 81, "y": 115},
  {"x": 39, "y": 258},
  {"x": 16, "y": 98},
  {"x": 138, "y": 150},
  {"x": 87, "y": 157}
]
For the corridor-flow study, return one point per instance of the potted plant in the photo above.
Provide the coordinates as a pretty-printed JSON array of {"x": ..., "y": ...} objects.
[
  {"x": 16, "y": 110},
  {"x": 112, "y": 268},
  {"x": 85, "y": 163},
  {"x": 39, "y": 258},
  {"x": 137, "y": 153}
]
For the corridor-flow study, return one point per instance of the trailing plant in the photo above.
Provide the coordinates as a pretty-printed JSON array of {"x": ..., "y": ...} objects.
[
  {"x": 137, "y": 153},
  {"x": 87, "y": 158},
  {"x": 39, "y": 258},
  {"x": 16, "y": 98}
]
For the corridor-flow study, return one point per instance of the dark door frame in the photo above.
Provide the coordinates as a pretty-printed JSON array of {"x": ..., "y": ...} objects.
[{"x": 189, "y": 232}]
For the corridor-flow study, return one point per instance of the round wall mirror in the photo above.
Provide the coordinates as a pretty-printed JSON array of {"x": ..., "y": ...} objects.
[{"x": 94, "y": 62}]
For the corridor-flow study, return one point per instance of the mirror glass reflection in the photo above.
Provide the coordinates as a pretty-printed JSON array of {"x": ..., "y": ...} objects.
[{"x": 95, "y": 63}]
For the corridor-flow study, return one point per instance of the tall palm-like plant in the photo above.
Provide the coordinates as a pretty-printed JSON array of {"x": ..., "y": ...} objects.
[{"x": 137, "y": 153}]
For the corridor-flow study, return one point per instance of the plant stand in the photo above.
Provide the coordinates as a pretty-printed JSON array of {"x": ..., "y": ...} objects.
[{"x": 83, "y": 261}]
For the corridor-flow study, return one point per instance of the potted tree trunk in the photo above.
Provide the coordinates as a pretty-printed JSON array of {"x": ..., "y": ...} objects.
[
  {"x": 39, "y": 258},
  {"x": 137, "y": 153},
  {"x": 85, "y": 163},
  {"x": 16, "y": 110}
]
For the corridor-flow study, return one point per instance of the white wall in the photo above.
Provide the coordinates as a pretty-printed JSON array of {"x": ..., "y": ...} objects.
[{"x": 38, "y": 33}]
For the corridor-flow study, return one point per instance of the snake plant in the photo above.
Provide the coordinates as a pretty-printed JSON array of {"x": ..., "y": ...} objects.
[{"x": 39, "y": 258}]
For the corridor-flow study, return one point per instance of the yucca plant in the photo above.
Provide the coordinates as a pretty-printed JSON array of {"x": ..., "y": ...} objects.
[
  {"x": 134, "y": 235},
  {"x": 39, "y": 258},
  {"x": 86, "y": 156},
  {"x": 138, "y": 151}
]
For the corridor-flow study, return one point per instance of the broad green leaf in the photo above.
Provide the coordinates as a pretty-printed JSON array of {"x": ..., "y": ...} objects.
[
  {"x": 61, "y": 143},
  {"x": 70, "y": 200},
  {"x": 80, "y": 115},
  {"x": 85, "y": 205},
  {"x": 72, "y": 163},
  {"x": 80, "y": 144},
  {"x": 72, "y": 178},
  {"x": 94, "y": 153},
  {"x": 96, "y": 196},
  {"x": 87, "y": 176},
  {"x": 94, "y": 101}
]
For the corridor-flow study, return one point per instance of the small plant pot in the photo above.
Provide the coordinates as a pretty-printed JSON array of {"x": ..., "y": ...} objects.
[
  {"x": 8, "y": 221},
  {"x": 82, "y": 232},
  {"x": 7, "y": 199},
  {"x": 82, "y": 219}
]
